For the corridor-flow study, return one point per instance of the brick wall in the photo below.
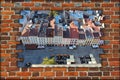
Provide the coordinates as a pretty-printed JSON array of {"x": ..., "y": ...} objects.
[{"x": 10, "y": 10}]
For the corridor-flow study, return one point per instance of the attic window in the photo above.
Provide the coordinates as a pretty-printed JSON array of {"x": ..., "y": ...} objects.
[{"x": 60, "y": 38}]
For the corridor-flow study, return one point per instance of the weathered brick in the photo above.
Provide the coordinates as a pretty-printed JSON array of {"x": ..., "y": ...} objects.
[
  {"x": 7, "y": 12},
  {"x": 23, "y": 73},
  {"x": 59, "y": 73},
  {"x": 67, "y": 5},
  {"x": 36, "y": 69},
  {"x": 5, "y": 55},
  {"x": 7, "y": 5},
  {"x": 114, "y": 63},
  {"x": 59, "y": 69},
  {"x": 12, "y": 68},
  {"x": 35, "y": 74},
  {"x": 83, "y": 73},
  {"x": 4, "y": 74},
  {"x": 27, "y": 4},
  {"x": 70, "y": 73},
  {"x": 48, "y": 74},
  {"x": 106, "y": 73},
  {"x": 115, "y": 73},
  {"x": 107, "y": 5},
  {"x": 47, "y": 5},
  {"x": 82, "y": 69},
  {"x": 47, "y": 69},
  {"x": 94, "y": 73},
  {"x": 88, "y": 5}
]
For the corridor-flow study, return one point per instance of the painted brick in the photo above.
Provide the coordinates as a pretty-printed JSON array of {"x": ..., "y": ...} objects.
[
  {"x": 23, "y": 73},
  {"x": 70, "y": 73},
  {"x": 48, "y": 74}
]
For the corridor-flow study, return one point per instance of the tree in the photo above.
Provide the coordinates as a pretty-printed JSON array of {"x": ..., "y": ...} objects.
[{"x": 47, "y": 61}]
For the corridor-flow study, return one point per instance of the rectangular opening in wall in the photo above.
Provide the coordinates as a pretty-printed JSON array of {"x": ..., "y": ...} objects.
[{"x": 66, "y": 38}]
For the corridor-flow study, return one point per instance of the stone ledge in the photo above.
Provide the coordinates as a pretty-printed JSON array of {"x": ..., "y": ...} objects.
[{"x": 72, "y": 65}]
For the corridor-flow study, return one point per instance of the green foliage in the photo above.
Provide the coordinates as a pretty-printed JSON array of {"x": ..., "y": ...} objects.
[{"x": 47, "y": 61}]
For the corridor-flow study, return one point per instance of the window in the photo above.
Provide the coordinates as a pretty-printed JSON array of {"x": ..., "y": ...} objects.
[{"x": 77, "y": 44}]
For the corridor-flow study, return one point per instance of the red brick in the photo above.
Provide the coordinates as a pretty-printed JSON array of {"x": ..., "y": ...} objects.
[
  {"x": 114, "y": 34},
  {"x": 4, "y": 74},
  {"x": 48, "y": 69},
  {"x": 106, "y": 73},
  {"x": 12, "y": 73},
  {"x": 6, "y": 29},
  {"x": 5, "y": 55},
  {"x": 94, "y": 73},
  {"x": 4, "y": 46},
  {"x": 93, "y": 69},
  {"x": 13, "y": 42},
  {"x": 114, "y": 63},
  {"x": 36, "y": 69},
  {"x": 7, "y": 12},
  {"x": 115, "y": 17},
  {"x": 7, "y": 8},
  {"x": 15, "y": 25},
  {"x": 56, "y": 8},
  {"x": 12, "y": 68},
  {"x": 113, "y": 59},
  {"x": 108, "y": 12},
  {"x": 107, "y": 77},
  {"x": 71, "y": 68},
  {"x": 6, "y": 63},
  {"x": 61, "y": 78},
  {"x": 37, "y": 8},
  {"x": 7, "y": 5},
  {"x": 37, "y": 0},
  {"x": 59, "y": 69},
  {"x": 115, "y": 73},
  {"x": 4, "y": 25},
  {"x": 106, "y": 46},
  {"x": 83, "y": 73},
  {"x": 5, "y": 17},
  {"x": 105, "y": 55},
  {"x": 6, "y": 21},
  {"x": 23, "y": 73},
  {"x": 115, "y": 9},
  {"x": 70, "y": 73},
  {"x": 115, "y": 25},
  {"x": 116, "y": 55},
  {"x": 16, "y": 16},
  {"x": 67, "y": 5},
  {"x": 27, "y": 4},
  {"x": 82, "y": 69},
  {"x": 107, "y": 5},
  {"x": 47, "y": 5},
  {"x": 59, "y": 73},
  {"x": 48, "y": 74},
  {"x": 115, "y": 42},
  {"x": 88, "y": 5},
  {"x": 37, "y": 78},
  {"x": 104, "y": 63}
]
